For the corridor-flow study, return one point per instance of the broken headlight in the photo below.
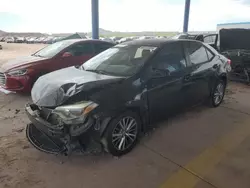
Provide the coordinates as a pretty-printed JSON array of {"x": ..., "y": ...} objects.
[{"x": 75, "y": 113}]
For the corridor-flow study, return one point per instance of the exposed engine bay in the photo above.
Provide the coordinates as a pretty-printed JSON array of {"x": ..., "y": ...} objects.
[{"x": 235, "y": 45}]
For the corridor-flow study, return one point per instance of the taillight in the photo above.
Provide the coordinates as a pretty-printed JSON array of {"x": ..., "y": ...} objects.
[{"x": 228, "y": 66}]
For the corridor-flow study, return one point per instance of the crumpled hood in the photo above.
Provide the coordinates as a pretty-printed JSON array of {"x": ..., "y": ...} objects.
[
  {"x": 55, "y": 88},
  {"x": 234, "y": 39},
  {"x": 20, "y": 61}
]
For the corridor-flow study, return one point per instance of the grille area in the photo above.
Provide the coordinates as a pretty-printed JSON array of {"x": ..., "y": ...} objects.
[
  {"x": 43, "y": 142},
  {"x": 2, "y": 79}
]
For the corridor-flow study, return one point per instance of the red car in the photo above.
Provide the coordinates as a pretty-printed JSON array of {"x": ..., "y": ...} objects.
[{"x": 20, "y": 74}]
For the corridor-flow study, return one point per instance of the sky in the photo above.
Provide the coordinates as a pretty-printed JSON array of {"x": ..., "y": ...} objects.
[{"x": 54, "y": 16}]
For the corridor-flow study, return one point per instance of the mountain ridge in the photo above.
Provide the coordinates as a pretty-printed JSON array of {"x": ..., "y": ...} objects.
[{"x": 102, "y": 32}]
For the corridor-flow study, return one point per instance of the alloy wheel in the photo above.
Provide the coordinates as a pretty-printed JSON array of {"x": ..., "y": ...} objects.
[
  {"x": 125, "y": 133},
  {"x": 219, "y": 93}
]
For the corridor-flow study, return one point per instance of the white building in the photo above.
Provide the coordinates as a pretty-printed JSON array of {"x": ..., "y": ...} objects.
[{"x": 242, "y": 25}]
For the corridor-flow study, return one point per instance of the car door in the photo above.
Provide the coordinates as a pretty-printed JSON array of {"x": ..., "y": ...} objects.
[
  {"x": 80, "y": 53},
  {"x": 212, "y": 40},
  {"x": 167, "y": 70},
  {"x": 101, "y": 46},
  {"x": 200, "y": 69}
]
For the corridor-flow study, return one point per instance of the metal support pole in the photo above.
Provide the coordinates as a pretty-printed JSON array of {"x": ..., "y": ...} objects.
[
  {"x": 95, "y": 19},
  {"x": 186, "y": 16}
]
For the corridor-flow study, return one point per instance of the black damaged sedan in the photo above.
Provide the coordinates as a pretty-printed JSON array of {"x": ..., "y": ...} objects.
[{"x": 108, "y": 101}]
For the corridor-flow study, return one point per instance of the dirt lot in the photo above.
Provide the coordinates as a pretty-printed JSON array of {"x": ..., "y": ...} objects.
[
  {"x": 11, "y": 51},
  {"x": 202, "y": 148}
]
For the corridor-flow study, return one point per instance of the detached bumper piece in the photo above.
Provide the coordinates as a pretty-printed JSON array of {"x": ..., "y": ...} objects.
[
  {"x": 54, "y": 139},
  {"x": 43, "y": 142}
]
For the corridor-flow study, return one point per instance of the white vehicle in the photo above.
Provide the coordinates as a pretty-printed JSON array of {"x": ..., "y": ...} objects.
[
  {"x": 10, "y": 40},
  {"x": 20, "y": 39},
  {"x": 144, "y": 37},
  {"x": 125, "y": 39},
  {"x": 108, "y": 39}
]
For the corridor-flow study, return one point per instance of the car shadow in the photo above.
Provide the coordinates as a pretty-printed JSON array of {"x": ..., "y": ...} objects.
[
  {"x": 174, "y": 118},
  {"x": 88, "y": 159}
]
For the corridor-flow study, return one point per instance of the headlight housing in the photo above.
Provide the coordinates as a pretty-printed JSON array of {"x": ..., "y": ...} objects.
[
  {"x": 19, "y": 72},
  {"x": 75, "y": 113}
]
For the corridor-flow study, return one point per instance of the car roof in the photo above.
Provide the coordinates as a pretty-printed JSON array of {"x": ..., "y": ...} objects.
[
  {"x": 72, "y": 41},
  {"x": 153, "y": 42}
]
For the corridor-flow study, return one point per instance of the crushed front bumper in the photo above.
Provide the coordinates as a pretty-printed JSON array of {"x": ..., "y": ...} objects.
[
  {"x": 43, "y": 142},
  {"x": 54, "y": 139}
]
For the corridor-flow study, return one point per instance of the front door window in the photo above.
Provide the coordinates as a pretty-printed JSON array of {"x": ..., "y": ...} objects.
[
  {"x": 171, "y": 58},
  {"x": 165, "y": 88}
]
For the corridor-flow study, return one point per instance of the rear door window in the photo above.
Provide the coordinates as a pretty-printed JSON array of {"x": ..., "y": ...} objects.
[
  {"x": 81, "y": 49},
  {"x": 100, "y": 47},
  {"x": 197, "y": 52}
]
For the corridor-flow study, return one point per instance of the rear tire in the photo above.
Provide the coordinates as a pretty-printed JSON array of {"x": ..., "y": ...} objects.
[
  {"x": 217, "y": 94},
  {"x": 122, "y": 134}
]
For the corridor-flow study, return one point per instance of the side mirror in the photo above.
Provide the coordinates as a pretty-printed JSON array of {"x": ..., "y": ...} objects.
[
  {"x": 160, "y": 73},
  {"x": 67, "y": 54}
]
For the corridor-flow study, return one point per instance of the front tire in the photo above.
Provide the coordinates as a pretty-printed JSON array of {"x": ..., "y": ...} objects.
[
  {"x": 217, "y": 94},
  {"x": 122, "y": 134}
]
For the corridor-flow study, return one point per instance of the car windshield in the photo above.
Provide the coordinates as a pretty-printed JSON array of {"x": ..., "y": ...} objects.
[
  {"x": 53, "y": 49},
  {"x": 120, "y": 60}
]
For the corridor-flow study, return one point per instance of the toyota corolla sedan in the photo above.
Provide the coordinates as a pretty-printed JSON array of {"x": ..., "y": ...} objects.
[
  {"x": 108, "y": 101},
  {"x": 20, "y": 74}
]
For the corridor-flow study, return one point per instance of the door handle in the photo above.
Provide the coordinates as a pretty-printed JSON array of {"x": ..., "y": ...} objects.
[
  {"x": 215, "y": 66},
  {"x": 187, "y": 77}
]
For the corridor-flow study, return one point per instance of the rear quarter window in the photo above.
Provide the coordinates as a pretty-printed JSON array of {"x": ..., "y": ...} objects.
[
  {"x": 214, "y": 51},
  {"x": 210, "y": 55},
  {"x": 197, "y": 53}
]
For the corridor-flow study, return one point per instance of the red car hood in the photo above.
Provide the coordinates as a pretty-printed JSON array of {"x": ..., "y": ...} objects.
[{"x": 20, "y": 61}]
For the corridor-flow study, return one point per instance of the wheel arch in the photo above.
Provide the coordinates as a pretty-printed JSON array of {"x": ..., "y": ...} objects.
[
  {"x": 214, "y": 79},
  {"x": 223, "y": 77},
  {"x": 106, "y": 139},
  {"x": 139, "y": 112},
  {"x": 135, "y": 109}
]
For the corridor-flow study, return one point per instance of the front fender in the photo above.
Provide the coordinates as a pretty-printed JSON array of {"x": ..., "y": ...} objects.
[{"x": 138, "y": 105}]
